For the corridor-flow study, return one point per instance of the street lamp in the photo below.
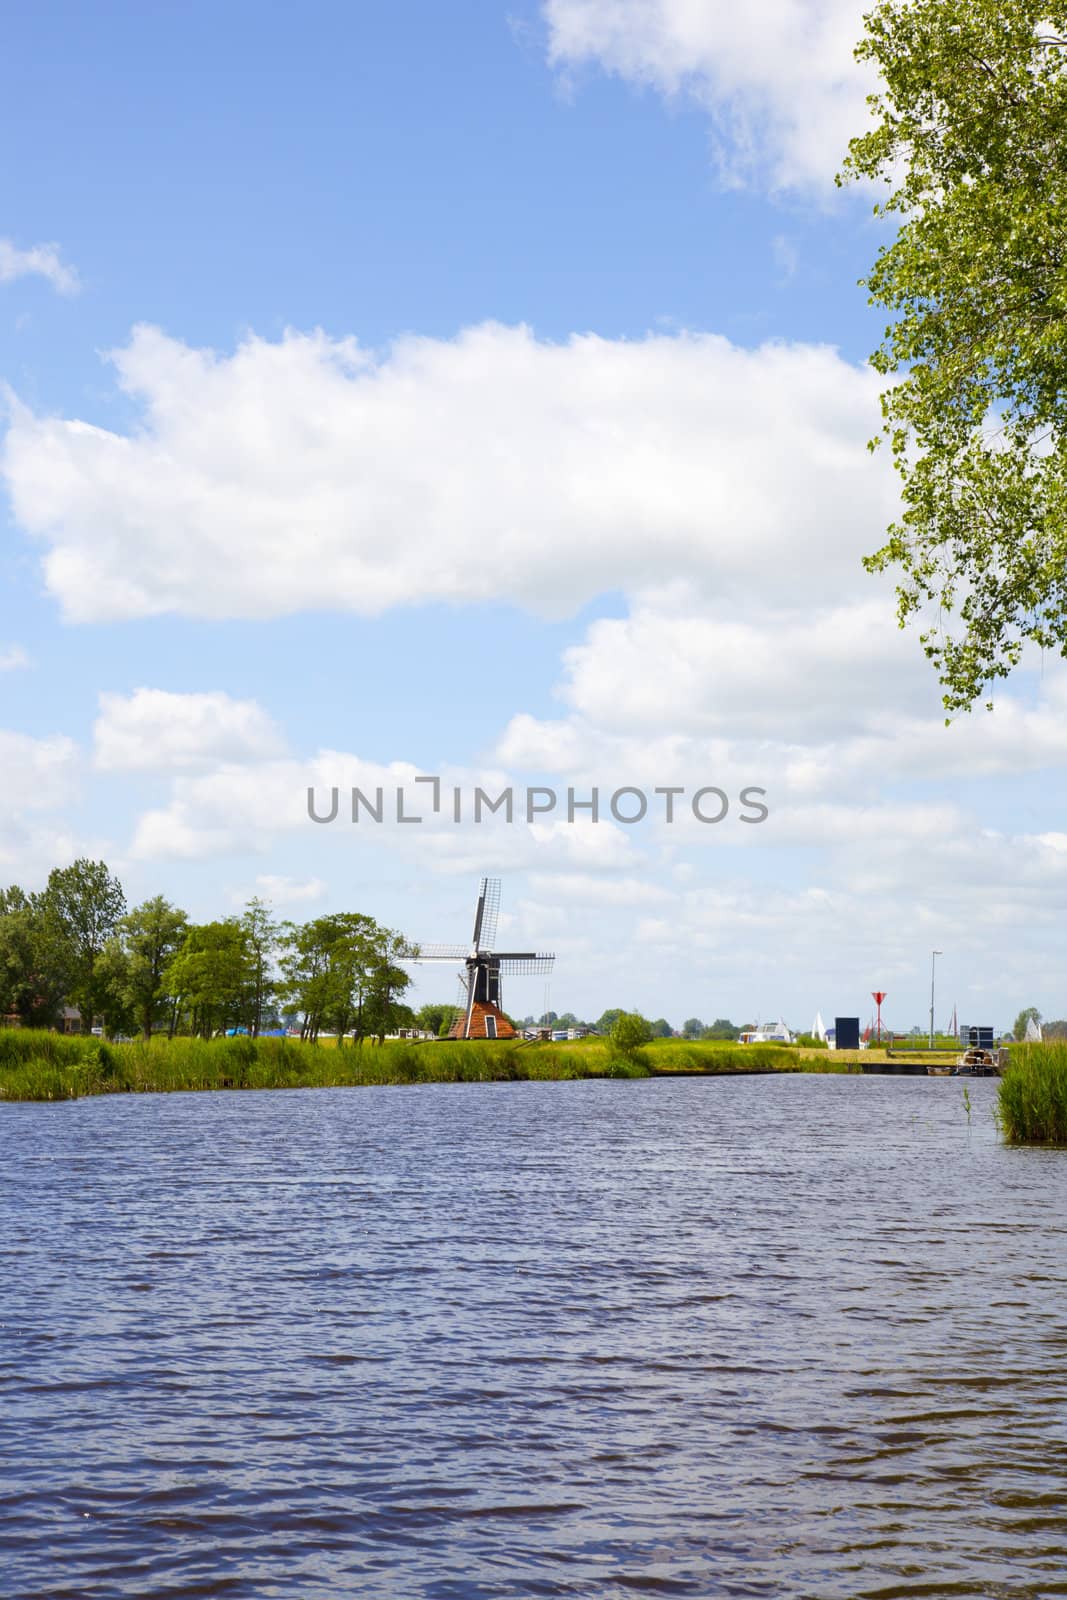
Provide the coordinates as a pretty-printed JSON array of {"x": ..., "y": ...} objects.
[{"x": 933, "y": 963}]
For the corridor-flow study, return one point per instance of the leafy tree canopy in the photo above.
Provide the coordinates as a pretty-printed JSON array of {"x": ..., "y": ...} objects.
[
  {"x": 149, "y": 936},
  {"x": 436, "y": 1017},
  {"x": 630, "y": 1031},
  {"x": 969, "y": 136},
  {"x": 721, "y": 1028},
  {"x": 212, "y": 975},
  {"x": 34, "y": 961},
  {"x": 81, "y": 906}
]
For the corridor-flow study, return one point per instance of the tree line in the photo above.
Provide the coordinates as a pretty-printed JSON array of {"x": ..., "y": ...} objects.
[
  {"x": 150, "y": 969},
  {"x": 660, "y": 1028}
]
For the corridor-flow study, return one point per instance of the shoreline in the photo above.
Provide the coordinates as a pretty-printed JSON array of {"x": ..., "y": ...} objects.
[{"x": 63, "y": 1067}]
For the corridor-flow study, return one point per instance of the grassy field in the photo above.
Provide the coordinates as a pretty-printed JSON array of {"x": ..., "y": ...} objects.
[
  {"x": 47, "y": 1066},
  {"x": 1032, "y": 1099}
]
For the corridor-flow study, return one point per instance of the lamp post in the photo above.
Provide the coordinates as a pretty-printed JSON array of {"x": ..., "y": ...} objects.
[{"x": 933, "y": 963}]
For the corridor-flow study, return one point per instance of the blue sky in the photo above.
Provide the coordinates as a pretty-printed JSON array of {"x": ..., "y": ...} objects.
[{"x": 332, "y": 498}]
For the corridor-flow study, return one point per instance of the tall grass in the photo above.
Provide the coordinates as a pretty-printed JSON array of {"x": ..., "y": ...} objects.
[
  {"x": 47, "y": 1066},
  {"x": 1032, "y": 1100},
  {"x": 711, "y": 1056},
  {"x": 43, "y": 1066}
]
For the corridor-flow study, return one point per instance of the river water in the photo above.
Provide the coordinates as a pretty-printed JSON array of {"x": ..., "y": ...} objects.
[{"x": 783, "y": 1337}]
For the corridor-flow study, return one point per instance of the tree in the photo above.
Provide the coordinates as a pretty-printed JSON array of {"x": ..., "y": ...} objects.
[
  {"x": 81, "y": 906},
  {"x": 33, "y": 961},
  {"x": 386, "y": 981},
  {"x": 661, "y": 1029},
  {"x": 436, "y": 1018},
  {"x": 548, "y": 1019},
  {"x": 116, "y": 1011},
  {"x": 692, "y": 1028},
  {"x": 1030, "y": 1014},
  {"x": 970, "y": 122},
  {"x": 629, "y": 1032},
  {"x": 341, "y": 972},
  {"x": 323, "y": 966},
  {"x": 149, "y": 937},
  {"x": 261, "y": 939},
  {"x": 608, "y": 1019},
  {"x": 211, "y": 977},
  {"x": 721, "y": 1028}
]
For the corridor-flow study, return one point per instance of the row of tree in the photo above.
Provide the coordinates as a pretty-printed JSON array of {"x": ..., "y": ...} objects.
[
  {"x": 437, "y": 1018},
  {"x": 74, "y": 944},
  {"x": 692, "y": 1027}
]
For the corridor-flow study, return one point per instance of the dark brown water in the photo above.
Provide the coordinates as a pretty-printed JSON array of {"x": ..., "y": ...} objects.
[{"x": 799, "y": 1336}]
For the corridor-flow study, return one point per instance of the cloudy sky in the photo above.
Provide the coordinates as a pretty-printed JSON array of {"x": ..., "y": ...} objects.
[{"x": 480, "y": 391}]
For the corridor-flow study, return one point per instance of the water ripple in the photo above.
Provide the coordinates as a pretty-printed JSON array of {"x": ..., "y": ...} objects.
[{"x": 793, "y": 1337}]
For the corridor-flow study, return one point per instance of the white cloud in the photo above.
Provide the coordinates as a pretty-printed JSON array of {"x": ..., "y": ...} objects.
[
  {"x": 779, "y": 84},
  {"x": 763, "y": 670},
  {"x": 39, "y": 774},
  {"x": 152, "y": 729},
  {"x": 40, "y": 261},
  {"x": 309, "y": 474},
  {"x": 237, "y": 810},
  {"x": 41, "y": 777},
  {"x": 587, "y": 890},
  {"x": 802, "y": 700},
  {"x": 279, "y": 890},
  {"x": 13, "y": 658},
  {"x": 807, "y": 905}
]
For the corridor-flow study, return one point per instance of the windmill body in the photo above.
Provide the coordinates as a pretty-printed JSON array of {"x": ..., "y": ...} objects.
[{"x": 482, "y": 1016}]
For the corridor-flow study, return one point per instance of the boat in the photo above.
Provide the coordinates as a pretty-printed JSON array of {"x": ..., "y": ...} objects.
[{"x": 980, "y": 1061}]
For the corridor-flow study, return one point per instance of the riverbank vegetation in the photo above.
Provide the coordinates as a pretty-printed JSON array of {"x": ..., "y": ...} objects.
[
  {"x": 1032, "y": 1099},
  {"x": 35, "y": 1065}
]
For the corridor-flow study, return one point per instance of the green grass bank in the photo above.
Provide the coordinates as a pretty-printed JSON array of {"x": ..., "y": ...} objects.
[
  {"x": 1032, "y": 1098},
  {"x": 48, "y": 1066}
]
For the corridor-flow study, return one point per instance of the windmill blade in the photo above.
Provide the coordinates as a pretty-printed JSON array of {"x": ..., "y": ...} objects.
[
  {"x": 438, "y": 952},
  {"x": 479, "y": 912},
  {"x": 526, "y": 964},
  {"x": 490, "y": 914},
  {"x": 486, "y": 913}
]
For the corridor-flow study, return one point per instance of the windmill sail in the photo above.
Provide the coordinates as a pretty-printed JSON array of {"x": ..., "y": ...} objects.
[{"x": 485, "y": 916}]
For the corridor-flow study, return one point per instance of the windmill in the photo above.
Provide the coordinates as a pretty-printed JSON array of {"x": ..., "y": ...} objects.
[{"x": 482, "y": 1017}]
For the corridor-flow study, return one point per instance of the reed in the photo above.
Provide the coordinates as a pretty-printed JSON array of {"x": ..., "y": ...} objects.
[
  {"x": 43, "y": 1066},
  {"x": 1032, "y": 1098},
  {"x": 714, "y": 1057},
  {"x": 46, "y": 1066}
]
